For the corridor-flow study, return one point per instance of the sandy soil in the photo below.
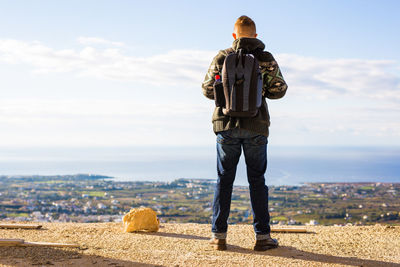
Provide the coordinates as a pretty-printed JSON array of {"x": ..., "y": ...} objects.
[{"x": 104, "y": 244}]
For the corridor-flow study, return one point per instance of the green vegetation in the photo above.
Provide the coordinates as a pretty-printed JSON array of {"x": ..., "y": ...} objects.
[
  {"x": 94, "y": 193},
  {"x": 280, "y": 218},
  {"x": 365, "y": 189},
  {"x": 22, "y": 214}
]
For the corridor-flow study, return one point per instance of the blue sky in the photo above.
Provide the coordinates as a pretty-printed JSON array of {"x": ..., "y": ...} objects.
[{"x": 115, "y": 73}]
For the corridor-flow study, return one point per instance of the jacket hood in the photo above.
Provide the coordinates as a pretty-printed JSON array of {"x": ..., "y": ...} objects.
[{"x": 248, "y": 44}]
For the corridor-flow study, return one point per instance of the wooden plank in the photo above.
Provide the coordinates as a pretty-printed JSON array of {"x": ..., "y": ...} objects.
[
  {"x": 20, "y": 226},
  {"x": 23, "y": 243},
  {"x": 288, "y": 230},
  {"x": 48, "y": 244},
  {"x": 11, "y": 242}
]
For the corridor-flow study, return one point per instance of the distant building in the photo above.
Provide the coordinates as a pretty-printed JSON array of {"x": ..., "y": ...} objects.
[
  {"x": 312, "y": 222},
  {"x": 101, "y": 206}
]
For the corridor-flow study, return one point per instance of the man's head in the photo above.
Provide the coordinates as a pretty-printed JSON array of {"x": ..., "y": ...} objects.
[{"x": 244, "y": 27}]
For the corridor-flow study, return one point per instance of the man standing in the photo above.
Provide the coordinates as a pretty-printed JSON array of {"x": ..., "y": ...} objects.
[{"x": 250, "y": 133}]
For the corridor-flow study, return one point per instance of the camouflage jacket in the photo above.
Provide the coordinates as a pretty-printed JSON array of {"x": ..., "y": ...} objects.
[{"x": 274, "y": 87}]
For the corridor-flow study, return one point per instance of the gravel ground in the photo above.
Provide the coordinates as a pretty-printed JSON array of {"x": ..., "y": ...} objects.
[{"x": 105, "y": 244}]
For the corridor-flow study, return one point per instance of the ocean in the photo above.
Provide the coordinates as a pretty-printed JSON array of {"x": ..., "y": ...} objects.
[{"x": 286, "y": 165}]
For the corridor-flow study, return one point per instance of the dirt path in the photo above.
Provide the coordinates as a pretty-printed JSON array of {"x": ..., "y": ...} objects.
[{"x": 104, "y": 244}]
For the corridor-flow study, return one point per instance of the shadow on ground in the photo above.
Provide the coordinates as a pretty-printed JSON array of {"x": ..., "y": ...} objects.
[
  {"x": 174, "y": 235},
  {"x": 290, "y": 253},
  {"x": 42, "y": 256},
  {"x": 294, "y": 253}
]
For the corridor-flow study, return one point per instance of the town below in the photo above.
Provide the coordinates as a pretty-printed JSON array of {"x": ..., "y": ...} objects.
[{"x": 97, "y": 198}]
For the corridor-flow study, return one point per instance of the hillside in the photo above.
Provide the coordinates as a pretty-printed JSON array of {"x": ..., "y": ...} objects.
[{"x": 104, "y": 244}]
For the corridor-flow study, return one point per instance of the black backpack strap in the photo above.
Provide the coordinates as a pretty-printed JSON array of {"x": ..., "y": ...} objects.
[
  {"x": 226, "y": 52},
  {"x": 257, "y": 53},
  {"x": 229, "y": 51}
]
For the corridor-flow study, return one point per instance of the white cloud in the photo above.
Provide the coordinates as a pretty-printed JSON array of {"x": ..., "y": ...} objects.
[
  {"x": 31, "y": 107},
  {"x": 322, "y": 78},
  {"x": 91, "y": 122},
  {"x": 171, "y": 68},
  {"x": 330, "y": 101},
  {"x": 313, "y": 77},
  {"x": 96, "y": 40}
]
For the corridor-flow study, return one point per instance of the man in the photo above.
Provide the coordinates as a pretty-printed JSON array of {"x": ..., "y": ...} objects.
[{"x": 251, "y": 134}]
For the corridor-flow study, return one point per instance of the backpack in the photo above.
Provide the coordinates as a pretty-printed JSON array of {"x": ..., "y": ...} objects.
[{"x": 240, "y": 91}]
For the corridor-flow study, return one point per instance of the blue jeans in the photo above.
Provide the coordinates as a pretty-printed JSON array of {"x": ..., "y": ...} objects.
[{"x": 229, "y": 148}]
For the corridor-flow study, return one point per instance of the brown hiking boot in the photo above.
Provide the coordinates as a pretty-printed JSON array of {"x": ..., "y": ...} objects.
[
  {"x": 219, "y": 244},
  {"x": 265, "y": 244}
]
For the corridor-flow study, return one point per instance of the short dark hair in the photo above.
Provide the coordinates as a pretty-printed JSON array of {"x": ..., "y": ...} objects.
[{"x": 245, "y": 24}]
